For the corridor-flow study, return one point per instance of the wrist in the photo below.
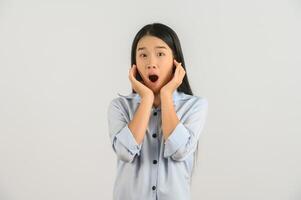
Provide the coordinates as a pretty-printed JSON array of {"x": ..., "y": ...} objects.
[
  {"x": 148, "y": 97},
  {"x": 165, "y": 96},
  {"x": 165, "y": 93}
]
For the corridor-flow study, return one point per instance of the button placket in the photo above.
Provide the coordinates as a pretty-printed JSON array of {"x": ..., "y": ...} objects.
[
  {"x": 155, "y": 147},
  {"x": 155, "y": 113}
]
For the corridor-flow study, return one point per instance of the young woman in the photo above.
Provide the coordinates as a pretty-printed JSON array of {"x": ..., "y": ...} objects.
[{"x": 155, "y": 129}]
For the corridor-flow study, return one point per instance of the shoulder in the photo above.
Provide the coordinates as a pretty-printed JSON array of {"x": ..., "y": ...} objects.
[
  {"x": 123, "y": 102},
  {"x": 195, "y": 100}
]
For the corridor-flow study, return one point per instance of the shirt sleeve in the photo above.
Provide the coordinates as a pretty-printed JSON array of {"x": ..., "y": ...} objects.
[
  {"x": 183, "y": 140},
  {"x": 122, "y": 139}
]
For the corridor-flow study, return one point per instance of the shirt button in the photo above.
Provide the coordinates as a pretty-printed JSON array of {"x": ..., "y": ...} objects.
[
  {"x": 155, "y": 113},
  {"x": 155, "y": 161},
  {"x": 154, "y": 135},
  {"x": 154, "y": 187}
]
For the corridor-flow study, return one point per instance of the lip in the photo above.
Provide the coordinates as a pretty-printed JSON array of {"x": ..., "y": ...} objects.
[
  {"x": 154, "y": 83},
  {"x": 153, "y": 74}
]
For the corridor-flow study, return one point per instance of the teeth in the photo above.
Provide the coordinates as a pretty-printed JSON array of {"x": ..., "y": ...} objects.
[{"x": 153, "y": 78}]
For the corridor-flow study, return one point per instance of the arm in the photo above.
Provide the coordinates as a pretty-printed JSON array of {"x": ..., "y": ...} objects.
[
  {"x": 126, "y": 137},
  {"x": 182, "y": 138},
  {"x": 139, "y": 123},
  {"x": 169, "y": 116}
]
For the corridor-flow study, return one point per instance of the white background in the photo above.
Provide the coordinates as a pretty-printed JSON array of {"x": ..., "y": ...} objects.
[{"x": 61, "y": 62}]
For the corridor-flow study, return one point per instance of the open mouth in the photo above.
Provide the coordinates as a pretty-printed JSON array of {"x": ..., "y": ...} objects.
[{"x": 153, "y": 78}]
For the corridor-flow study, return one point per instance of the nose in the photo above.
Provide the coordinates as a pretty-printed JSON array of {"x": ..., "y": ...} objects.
[
  {"x": 151, "y": 62},
  {"x": 151, "y": 66}
]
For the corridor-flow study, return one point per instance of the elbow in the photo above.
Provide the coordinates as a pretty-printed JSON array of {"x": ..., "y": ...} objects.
[
  {"x": 179, "y": 156},
  {"x": 182, "y": 154},
  {"x": 125, "y": 155}
]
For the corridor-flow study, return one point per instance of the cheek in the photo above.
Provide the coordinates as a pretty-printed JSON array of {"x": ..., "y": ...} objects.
[
  {"x": 141, "y": 71},
  {"x": 140, "y": 65},
  {"x": 166, "y": 75},
  {"x": 169, "y": 68}
]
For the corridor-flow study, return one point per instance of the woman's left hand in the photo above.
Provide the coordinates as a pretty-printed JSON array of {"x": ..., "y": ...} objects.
[{"x": 176, "y": 81}]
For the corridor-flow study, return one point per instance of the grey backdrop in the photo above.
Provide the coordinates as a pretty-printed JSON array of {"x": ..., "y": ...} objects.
[{"x": 61, "y": 62}]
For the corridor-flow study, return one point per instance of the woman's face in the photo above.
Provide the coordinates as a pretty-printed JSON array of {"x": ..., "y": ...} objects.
[{"x": 154, "y": 60}]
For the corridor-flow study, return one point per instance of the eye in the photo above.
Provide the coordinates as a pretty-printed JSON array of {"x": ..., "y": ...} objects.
[
  {"x": 142, "y": 55},
  {"x": 161, "y": 53}
]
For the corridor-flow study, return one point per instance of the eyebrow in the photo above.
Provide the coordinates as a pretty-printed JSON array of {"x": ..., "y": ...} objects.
[{"x": 159, "y": 47}]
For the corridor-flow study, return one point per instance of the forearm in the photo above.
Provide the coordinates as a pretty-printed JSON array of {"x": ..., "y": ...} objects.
[
  {"x": 169, "y": 116},
  {"x": 139, "y": 123}
]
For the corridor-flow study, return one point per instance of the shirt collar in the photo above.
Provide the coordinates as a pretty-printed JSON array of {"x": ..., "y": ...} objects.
[{"x": 177, "y": 96}]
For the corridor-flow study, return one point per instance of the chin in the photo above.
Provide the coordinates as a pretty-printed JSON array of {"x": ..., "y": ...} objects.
[{"x": 156, "y": 90}]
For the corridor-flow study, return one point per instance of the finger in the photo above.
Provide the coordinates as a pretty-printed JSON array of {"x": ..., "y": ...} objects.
[
  {"x": 134, "y": 70},
  {"x": 181, "y": 70},
  {"x": 177, "y": 69},
  {"x": 177, "y": 72},
  {"x": 176, "y": 62},
  {"x": 131, "y": 72},
  {"x": 183, "y": 73},
  {"x": 181, "y": 67},
  {"x": 130, "y": 75}
]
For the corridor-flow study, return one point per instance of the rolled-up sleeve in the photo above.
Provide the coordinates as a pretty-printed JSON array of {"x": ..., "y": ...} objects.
[
  {"x": 183, "y": 140},
  {"x": 122, "y": 139}
]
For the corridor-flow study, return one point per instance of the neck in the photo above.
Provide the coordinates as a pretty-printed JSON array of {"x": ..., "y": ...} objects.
[{"x": 157, "y": 100}]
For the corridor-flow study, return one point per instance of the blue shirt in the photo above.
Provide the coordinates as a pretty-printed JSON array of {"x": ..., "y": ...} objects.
[{"x": 155, "y": 170}]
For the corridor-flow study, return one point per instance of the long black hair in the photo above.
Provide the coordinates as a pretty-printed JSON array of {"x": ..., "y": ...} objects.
[{"x": 170, "y": 37}]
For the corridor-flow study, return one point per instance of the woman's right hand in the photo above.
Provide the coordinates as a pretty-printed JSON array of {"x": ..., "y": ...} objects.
[{"x": 138, "y": 86}]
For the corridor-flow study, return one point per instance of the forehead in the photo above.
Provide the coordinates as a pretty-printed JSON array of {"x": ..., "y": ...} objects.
[{"x": 150, "y": 43}]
